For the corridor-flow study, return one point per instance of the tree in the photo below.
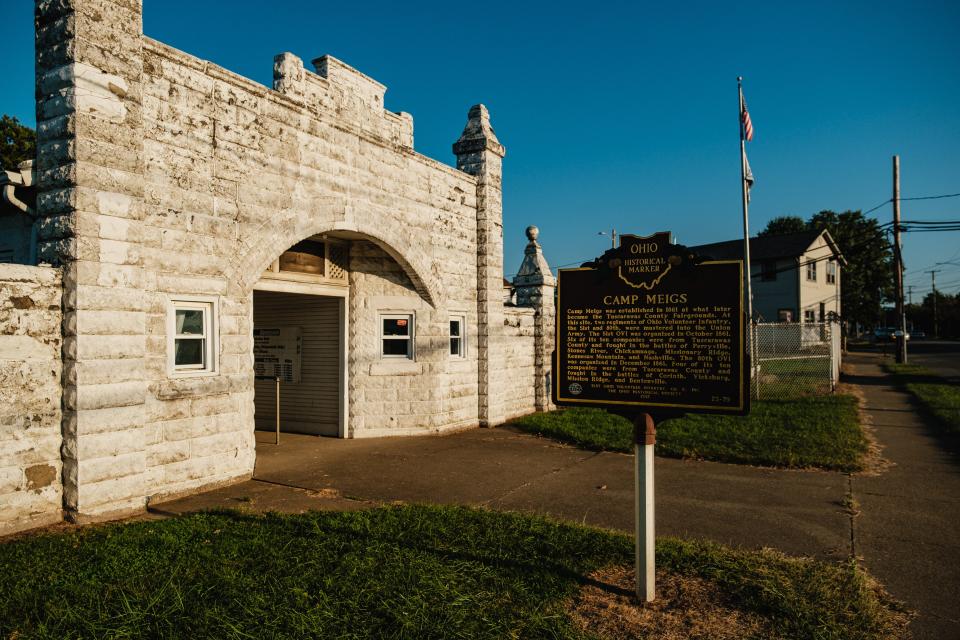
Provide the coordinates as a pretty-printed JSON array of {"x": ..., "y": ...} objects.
[
  {"x": 17, "y": 142},
  {"x": 947, "y": 317},
  {"x": 867, "y": 279},
  {"x": 783, "y": 225}
]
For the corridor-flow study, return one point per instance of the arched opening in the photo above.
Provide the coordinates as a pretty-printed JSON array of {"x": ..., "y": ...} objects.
[{"x": 331, "y": 308}]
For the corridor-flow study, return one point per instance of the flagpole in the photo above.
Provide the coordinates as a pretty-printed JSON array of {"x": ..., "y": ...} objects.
[{"x": 746, "y": 224}]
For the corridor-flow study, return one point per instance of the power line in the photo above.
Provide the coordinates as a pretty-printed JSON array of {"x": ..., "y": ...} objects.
[
  {"x": 949, "y": 283},
  {"x": 878, "y": 206},
  {"x": 889, "y": 200},
  {"x": 946, "y": 195}
]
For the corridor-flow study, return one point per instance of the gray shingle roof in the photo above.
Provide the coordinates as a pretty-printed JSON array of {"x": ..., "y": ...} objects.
[{"x": 788, "y": 245}]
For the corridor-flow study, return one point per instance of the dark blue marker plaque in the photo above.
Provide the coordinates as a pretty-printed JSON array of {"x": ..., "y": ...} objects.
[{"x": 650, "y": 327}]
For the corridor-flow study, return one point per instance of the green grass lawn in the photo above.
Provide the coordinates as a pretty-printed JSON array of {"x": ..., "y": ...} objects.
[
  {"x": 812, "y": 431},
  {"x": 935, "y": 394},
  {"x": 392, "y": 572},
  {"x": 784, "y": 378}
]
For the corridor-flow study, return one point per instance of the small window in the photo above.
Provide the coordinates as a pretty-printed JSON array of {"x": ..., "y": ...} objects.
[
  {"x": 191, "y": 337},
  {"x": 812, "y": 271},
  {"x": 809, "y": 315},
  {"x": 768, "y": 270},
  {"x": 831, "y": 271},
  {"x": 457, "y": 349},
  {"x": 785, "y": 315},
  {"x": 396, "y": 336}
]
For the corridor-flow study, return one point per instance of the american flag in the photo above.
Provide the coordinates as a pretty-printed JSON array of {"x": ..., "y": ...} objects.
[{"x": 745, "y": 117}]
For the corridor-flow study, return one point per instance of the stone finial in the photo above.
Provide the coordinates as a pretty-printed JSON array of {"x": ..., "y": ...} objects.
[
  {"x": 534, "y": 274},
  {"x": 478, "y": 134},
  {"x": 289, "y": 75}
]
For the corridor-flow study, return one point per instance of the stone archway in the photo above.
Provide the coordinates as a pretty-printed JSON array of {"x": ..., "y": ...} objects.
[{"x": 275, "y": 235}]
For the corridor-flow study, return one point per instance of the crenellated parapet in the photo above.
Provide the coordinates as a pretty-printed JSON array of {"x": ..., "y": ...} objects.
[{"x": 339, "y": 89}]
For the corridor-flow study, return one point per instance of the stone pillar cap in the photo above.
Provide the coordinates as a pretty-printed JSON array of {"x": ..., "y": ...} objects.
[
  {"x": 534, "y": 270},
  {"x": 478, "y": 134}
]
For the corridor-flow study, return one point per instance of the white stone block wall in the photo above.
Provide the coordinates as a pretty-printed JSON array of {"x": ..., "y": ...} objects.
[
  {"x": 434, "y": 392},
  {"x": 31, "y": 493},
  {"x": 161, "y": 175},
  {"x": 235, "y": 174},
  {"x": 519, "y": 397}
]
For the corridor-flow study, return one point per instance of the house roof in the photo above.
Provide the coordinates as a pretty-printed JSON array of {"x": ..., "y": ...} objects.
[{"x": 788, "y": 245}]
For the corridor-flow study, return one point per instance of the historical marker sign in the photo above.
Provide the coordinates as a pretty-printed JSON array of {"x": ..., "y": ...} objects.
[
  {"x": 276, "y": 353},
  {"x": 648, "y": 327}
]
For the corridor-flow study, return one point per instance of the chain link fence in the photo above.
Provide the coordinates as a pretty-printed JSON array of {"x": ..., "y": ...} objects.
[{"x": 793, "y": 359}]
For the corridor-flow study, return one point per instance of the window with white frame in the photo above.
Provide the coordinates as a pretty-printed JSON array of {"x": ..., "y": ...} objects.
[
  {"x": 191, "y": 336},
  {"x": 396, "y": 335},
  {"x": 831, "y": 271},
  {"x": 812, "y": 270},
  {"x": 457, "y": 337},
  {"x": 809, "y": 315}
]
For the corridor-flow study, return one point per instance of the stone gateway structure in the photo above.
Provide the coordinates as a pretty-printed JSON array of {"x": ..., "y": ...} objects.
[{"x": 193, "y": 220}]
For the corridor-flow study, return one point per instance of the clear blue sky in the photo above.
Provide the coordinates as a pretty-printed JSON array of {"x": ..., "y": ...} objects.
[{"x": 625, "y": 114}]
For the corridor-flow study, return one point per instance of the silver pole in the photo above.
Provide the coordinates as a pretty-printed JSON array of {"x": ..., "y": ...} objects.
[
  {"x": 746, "y": 237},
  {"x": 644, "y": 438},
  {"x": 278, "y": 409}
]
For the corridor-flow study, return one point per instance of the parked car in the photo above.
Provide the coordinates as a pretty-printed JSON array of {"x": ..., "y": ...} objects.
[{"x": 887, "y": 334}]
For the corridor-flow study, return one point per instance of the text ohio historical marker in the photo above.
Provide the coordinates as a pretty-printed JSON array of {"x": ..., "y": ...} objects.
[{"x": 650, "y": 327}]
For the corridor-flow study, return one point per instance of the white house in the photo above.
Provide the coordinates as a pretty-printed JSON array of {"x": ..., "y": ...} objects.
[{"x": 795, "y": 276}]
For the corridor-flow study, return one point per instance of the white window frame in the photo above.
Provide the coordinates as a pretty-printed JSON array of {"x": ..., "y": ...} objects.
[
  {"x": 831, "y": 271},
  {"x": 809, "y": 315},
  {"x": 410, "y": 317},
  {"x": 812, "y": 270},
  {"x": 210, "y": 307},
  {"x": 462, "y": 352}
]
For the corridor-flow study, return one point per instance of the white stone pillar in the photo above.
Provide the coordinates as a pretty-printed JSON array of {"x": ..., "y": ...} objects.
[
  {"x": 534, "y": 285},
  {"x": 480, "y": 154},
  {"x": 89, "y": 68}
]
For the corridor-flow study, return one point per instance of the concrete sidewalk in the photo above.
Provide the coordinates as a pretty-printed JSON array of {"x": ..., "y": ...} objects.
[
  {"x": 799, "y": 512},
  {"x": 907, "y": 532}
]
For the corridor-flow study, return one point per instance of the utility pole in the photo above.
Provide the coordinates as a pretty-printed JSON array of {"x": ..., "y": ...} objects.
[
  {"x": 933, "y": 281},
  {"x": 910, "y": 295},
  {"x": 898, "y": 255}
]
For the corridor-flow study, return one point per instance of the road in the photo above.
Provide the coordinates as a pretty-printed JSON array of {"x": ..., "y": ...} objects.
[{"x": 942, "y": 356}]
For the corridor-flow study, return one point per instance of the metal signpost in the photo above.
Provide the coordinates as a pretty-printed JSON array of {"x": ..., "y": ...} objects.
[{"x": 651, "y": 331}]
